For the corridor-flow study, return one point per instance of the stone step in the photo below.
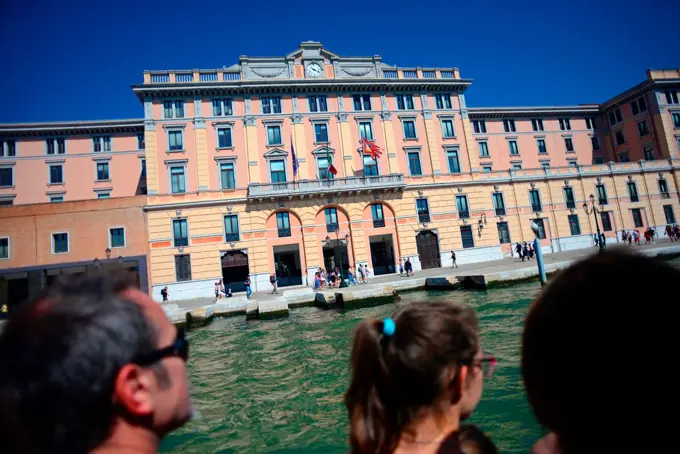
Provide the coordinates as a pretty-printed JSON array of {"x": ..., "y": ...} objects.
[{"x": 273, "y": 308}]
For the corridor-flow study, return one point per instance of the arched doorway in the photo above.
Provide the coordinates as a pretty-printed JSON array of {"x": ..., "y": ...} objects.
[
  {"x": 235, "y": 270},
  {"x": 428, "y": 249}
]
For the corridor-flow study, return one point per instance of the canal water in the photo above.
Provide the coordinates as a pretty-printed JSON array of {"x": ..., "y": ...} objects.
[{"x": 277, "y": 386}]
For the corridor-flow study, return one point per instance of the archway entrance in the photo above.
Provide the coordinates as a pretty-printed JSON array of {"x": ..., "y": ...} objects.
[
  {"x": 428, "y": 249},
  {"x": 335, "y": 254},
  {"x": 235, "y": 270},
  {"x": 382, "y": 254}
]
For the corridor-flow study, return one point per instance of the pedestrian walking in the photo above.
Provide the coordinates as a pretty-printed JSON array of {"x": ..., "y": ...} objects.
[
  {"x": 274, "y": 281},
  {"x": 518, "y": 249},
  {"x": 408, "y": 267},
  {"x": 164, "y": 294},
  {"x": 453, "y": 260},
  {"x": 531, "y": 251},
  {"x": 246, "y": 283}
]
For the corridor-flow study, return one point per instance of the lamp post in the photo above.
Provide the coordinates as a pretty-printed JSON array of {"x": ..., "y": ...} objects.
[
  {"x": 593, "y": 209},
  {"x": 539, "y": 253}
]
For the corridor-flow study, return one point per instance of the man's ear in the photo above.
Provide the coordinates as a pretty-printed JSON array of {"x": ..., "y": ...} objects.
[{"x": 132, "y": 390}]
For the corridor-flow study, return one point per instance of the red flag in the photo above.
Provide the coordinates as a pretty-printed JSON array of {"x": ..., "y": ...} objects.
[
  {"x": 331, "y": 168},
  {"x": 372, "y": 149}
]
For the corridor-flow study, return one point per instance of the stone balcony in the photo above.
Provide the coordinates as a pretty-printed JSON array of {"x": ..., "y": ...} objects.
[{"x": 338, "y": 186}]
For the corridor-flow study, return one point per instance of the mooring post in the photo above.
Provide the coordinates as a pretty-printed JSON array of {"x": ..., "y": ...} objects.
[{"x": 539, "y": 253}]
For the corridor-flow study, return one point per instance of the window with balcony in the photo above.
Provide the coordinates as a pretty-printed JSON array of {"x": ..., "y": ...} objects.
[
  {"x": 514, "y": 149},
  {"x": 277, "y": 171},
  {"x": 483, "y": 149},
  {"x": 606, "y": 221},
  {"x": 322, "y": 165},
  {"x": 320, "y": 132},
  {"x": 176, "y": 140},
  {"x": 409, "y": 129},
  {"x": 60, "y": 243},
  {"x": 447, "y": 129},
  {"x": 173, "y": 109},
  {"x": 535, "y": 200},
  {"x": 462, "y": 207},
  {"x": 479, "y": 126},
  {"x": 620, "y": 138},
  {"x": 498, "y": 203},
  {"x": 503, "y": 232},
  {"x": 117, "y": 237},
  {"x": 443, "y": 101},
  {"x": 509, "y": 126},
  {"x": 377, "y": 215},
  {"x": 615, "y": 116},
  {"x": 177, "y": 180},
  {"x": 331, "y": 220},
  {"x": 405, "y": 102},
  {"x": 671, "y": 97},
  {"x": 6, "y": 177},
  {"x": 283, "y": 224},
  {"x": 414, "y": 163},
  {"x": 590, "y": 123},
  {"x": 423, "y": 210},
  {"x": 56, "y": 174},
  {"x": 182, "y": 267},
  {"x": 643, "y": 128},
  {"x": 467, "y": 237},
  {"x": 4, "y": 248},
  {"x": 638, "y": 105},
  {"x": 569, "y": 144},
  {"x": 271, "y": 104},
  {"x": 537, "y": 124},
  {"x": 222, "y": 107},
  {"x": 453, "y": 160},
  {"x": 274, "y": 136},
  {"x": 540, "y": 143},
  {"x": 370, "y": 167},
  {"x": 637, "y": 217},
  {"x": 361, "y": 102},
  {"x": 101, "y": 143},
  {"x": 632, "y": 191},
  {"x": 663, "y": 189},
  {"x": 366, "y": 130},
  {"x": 141, "y": 141},
  {"x": 180, "y": 232},
  {"x": 595, "y": 141},
  {"x": 317, "y": 103},
  {"x": 103, "y": 171},
  {"x": 565, "y": 124},
  {"x": 648, "y": 153},
  {"x": 569, "y": 197},
  {"x": 601, "y": 194},
  {"x": 668, "y": 212},
  {"x": 227, "y": 175},
  {"x": 676, "y": 120},
  {"x": 574, "y": 226},
  {"x": 231, "y": 232},
  {"x": 224, "y": 137}
]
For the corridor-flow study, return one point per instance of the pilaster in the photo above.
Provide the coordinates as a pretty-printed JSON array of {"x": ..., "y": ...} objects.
[
  {"x": 430, "y": 135},
  {"x": 151, "y": 153},
  {"x": 301, "y": 152},
  {"x": 250, "y": 127},
  {"x": 201, "y": 145}
]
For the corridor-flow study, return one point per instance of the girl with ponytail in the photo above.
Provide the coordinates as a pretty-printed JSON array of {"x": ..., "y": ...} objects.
[{"x": 415, "y": 376}]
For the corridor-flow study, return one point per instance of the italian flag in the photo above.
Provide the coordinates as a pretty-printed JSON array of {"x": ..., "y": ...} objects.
[{"x": 331, "y": 168}]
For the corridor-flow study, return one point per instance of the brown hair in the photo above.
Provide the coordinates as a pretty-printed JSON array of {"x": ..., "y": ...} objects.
[
  {"x": 394, "y": 377},
  {"x": 474, "y": 441}
]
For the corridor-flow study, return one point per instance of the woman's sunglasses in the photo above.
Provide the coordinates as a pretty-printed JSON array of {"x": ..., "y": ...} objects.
[
  {"x": 180, "y": 347},
  {"x": 487, "y": 363}
]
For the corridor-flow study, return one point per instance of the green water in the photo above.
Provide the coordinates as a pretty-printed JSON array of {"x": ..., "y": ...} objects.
[{"x": 277, "y": 386}]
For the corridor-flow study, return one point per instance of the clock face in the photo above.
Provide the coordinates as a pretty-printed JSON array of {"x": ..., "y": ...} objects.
[{"x": 314, "y": 70}]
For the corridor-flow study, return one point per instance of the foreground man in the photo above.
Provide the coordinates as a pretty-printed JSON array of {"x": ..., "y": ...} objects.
[{"x": 91, "y": 366}]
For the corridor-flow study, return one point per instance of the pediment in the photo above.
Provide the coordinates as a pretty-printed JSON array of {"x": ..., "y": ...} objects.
[
  {"x": 276, "y": 153},
  {"x": 323, "y": 150}
]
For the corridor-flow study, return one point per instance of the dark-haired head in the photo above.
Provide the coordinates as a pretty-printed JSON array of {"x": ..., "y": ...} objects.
[
  {"x": 68, "y": 377},
  {"x": 474, "y": 441},
  {"x": 429, "y": 367},
  {"x": 595, "y": 353}
]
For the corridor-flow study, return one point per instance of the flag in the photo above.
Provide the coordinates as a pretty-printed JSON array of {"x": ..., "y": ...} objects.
[
  {"x": 295, "y": 161},
  {"x": 331, "y": 168},
  {"x": 372, "y": 149}
]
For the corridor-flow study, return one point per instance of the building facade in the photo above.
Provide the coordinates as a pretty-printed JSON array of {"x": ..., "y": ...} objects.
[{"x": 236, "y": 166}]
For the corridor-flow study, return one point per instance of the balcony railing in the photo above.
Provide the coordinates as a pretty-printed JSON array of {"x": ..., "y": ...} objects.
[
  {"x": 181, "y": 241},
  {"x": 284, "y": 233},
  {"x": 423, "y": 217},
  {"x": 536, "y": 207},
  {"x": 378, "y": 223},
  {"x": 394, "y": 181},
  {"x": 500, "y": 211},
  {"x": 665, "y": 195},
  {"x": 332, "y": 227},
  {"x": 463, "y": 214}
]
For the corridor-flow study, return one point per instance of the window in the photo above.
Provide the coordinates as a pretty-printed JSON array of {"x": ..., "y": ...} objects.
[
  {"x": 648, "y": 153},
  {"x": 590, "y": 123},
  {"x": 454, "y": 163},
  {"x": 623, "y": 157},
  {"x": 595, "y": 141},
  {"x": 274, "y": 135},
  {"x": 183, "y": 267},
  {"x": 676, "y": 120},
  {"x": 117, "y": 237},
  {"x": 177, "y": 180},
  {"x": 101, "y": 143},
  {"x": 370, "y": 166},
  {"x": 271, "y": 104},
  {"x": 175, "y": 140},
  {"x": 487, "y": 168},
  {"x": 535, "y": 199},
  {"x": 277, "y": 171},
  {"x": 483, "y": 149},
  {"x": 632, "y": 192},
  {"x": 479, "y": 126},
  {"x": 537, "y": 125},
  {"x": 620, "y": 138},
  {"x": 540, "y": 143},
  {"x": 606, "y": 221},
  {"x": 221, "y": 107},
  {"x": 409, "y": 129},
  {"x": 443, "y": 101},
  {"x": 60, "y": 145},
  {"x": 224, "y": 138},
  {"x": 56, "y": 198},
  {"x": 573, "y": 164},
  {"x": 638, "y": 106},
  {"x": 414, "y": 163},
  {"x": 670, "y": 216},
  {"x": 227, "y": 176},
  {"x": 8, "y": 148},
  {"x": 601, "y": 194},
  {"x": 404, "y": 102},
  {"x": 498, "y": 203},
  {"x": 598, "y": 161},
  {"x": 141, "y": 141},
  {"x": 322, "y": 167},
  {"x": 142, "y": 172},
  {"x": 615, "y": 116},
  {"x": 447, "y": 129},
  {"x": 103, "y": 171},
  {"x": 503, "y": 233},
  {"x": 569, "y": 197},
  {"x": 283, "y": 224},
  {"x": 4, "y": 248},
  {"x": 574, "y": 226},
  {"x": 513, "y": 147},
  {"x": 103, "y": 195},
  {"x": 362, "y": 102},
  {"x": 462, "y": 207},
  {"x": 671, "y": 97},
  {"x": 366, "y": 130},
  {"x": 6, "y": 177},
  {"x": 643, "y": 129},
  {"x": 317, "y": 103},
  {"x": 545, "y": 165},
  {"x": 331, "y": 219},
  {"x": 541, "y": 228},
  {"x": 320, "y": 132},
  {"x": 637, "y": 217},
  {"x": 517, "y": 167},
  {"x": 509, "y": 125},
  {"x": 569, "y": 144},
  {"x": 231, "y": 228},
  {"x": 466, "y": 236},
  {"x": 56, "y": 174},
  {"x": 423, "y": 210},
  {"x": 60, "y": 243},
  {"x": 180, "y": 232},
  {"x": 565, "y": 124},
  {"x": 663, "y": 189},
  {"x": 377, "y": 214},
  {"x": 173, "y": 109}
]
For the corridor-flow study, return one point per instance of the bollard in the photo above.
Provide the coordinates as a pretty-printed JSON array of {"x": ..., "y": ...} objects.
[{"x": 539, "y": 253}]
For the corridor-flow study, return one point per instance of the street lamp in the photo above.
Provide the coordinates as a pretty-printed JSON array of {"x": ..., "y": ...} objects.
[
  {"x": 108, "y": 253},
  {"x": 593, "y": 209}
]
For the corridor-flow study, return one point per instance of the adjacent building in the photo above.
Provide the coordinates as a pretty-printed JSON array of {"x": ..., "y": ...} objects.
[{"x": 236, "y": 167}]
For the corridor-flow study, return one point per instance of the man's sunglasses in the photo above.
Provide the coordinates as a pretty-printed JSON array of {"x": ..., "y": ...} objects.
[
  {"x": 487, "y": 363},
  {"x": 180, "y": 347}
]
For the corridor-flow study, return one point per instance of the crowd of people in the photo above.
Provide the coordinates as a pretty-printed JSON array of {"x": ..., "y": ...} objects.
[
  {"x": 334, "y": 279},
  {"x": 525, "y": 251},
  {"x": 93, "y": 365}
]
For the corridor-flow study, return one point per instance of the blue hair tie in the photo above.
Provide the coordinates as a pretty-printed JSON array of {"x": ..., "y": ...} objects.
[{"x": 388, "y": 327}]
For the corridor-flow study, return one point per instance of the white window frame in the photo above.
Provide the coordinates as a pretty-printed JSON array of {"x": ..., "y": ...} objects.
[
  {"x": 270, "y": 103},
  {"x": 218, "y": 127},
  {"x": 96, "y": 172},
  {"x": 479, "y": 148},
  {"x": 101, "y": 141},
  {"x": 416, "y": 150},
  {"x": 328, "y": 131},
  {"x": 56, "y": 145},
  {"x": 487, "y": 168},
  {"x": 11, "y": 168},
  {"x": 9, "y": 247},
  {"x": 226, "y": 160},
  {"x": 451, "y": 118},
  {"x": 511, "y": 125},
  {"x": 444, "y": 97},
  {"x": 545, "y": 146},
  {"x": 174, "y": 108},
  {"x": 404, "y": 120},
  {"x": 565, "y": 123},
  {"x": 516, "y": 147},
  {"x": 103, "y": 195},
  {"x": 361, "y": 120},
  {"x": 68, "y": 242},
  {"x": 479, "y": 124},
  {"x": 177, "y": 163},
  {"x": 570, "y": 139},
  {"x": 4, "y": 148},
  {"x": 285, "y": 168},
  {"x": 317, "y": 103},
  {"x": 124, "y": 237},
  {"x": 222, "y": 102},
  {"x": 49, "y": 173},
  {"x": 590, "y": 123},
  {"x": 142, "y": 136},
  {"x": 54, "y": 196},
  {"x": 538, "y": 122},
  {"x": 404, "y": 97}
]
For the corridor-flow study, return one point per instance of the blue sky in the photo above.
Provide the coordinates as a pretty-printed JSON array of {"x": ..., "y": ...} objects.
[{"x": 75, "y": 60}]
